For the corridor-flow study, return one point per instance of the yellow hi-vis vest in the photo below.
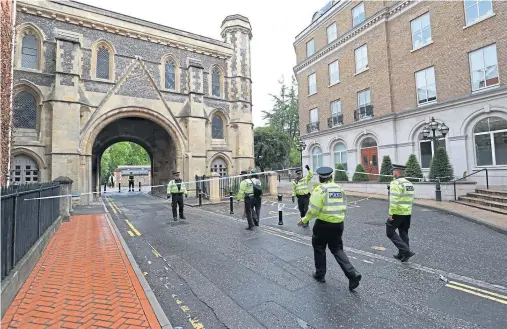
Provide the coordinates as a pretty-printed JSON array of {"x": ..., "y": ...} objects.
[
  {"x": 245, "y": 188},
  {"x": 327, "y": 203},
  {"x": 401, "y": 197},
  {"x": 301, "y": 186},
  {"x": 172, "y": 188}
]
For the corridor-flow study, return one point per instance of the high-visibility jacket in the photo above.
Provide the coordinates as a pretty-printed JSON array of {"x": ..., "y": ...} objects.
[
  {"x": 327, "y": 203},
  {"x": 401, "y": 197},
  {"x": 175, "y": 187},
  {"x": 300, "y": 187},
  {"x": 245, "y": 188}
]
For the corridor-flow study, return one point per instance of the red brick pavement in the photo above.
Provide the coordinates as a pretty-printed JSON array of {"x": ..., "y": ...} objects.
[{"x": 83, "y": 280}]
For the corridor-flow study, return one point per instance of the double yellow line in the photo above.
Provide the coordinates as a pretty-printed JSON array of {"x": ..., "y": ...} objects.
[
  {"x": 133, "y": 231},
  {"x": 478, "y": 292}
]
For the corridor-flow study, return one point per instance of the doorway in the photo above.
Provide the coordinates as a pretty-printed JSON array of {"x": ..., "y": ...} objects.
[{"x": 369, "y": 157}]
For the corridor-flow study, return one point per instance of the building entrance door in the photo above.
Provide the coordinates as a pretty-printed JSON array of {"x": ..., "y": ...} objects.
[{"x": 369, "y": 157}]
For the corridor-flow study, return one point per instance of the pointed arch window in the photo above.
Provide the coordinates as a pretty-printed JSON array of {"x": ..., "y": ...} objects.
[
  {"x": 24, "y": 111},
  {"x": 30, "y": 51},
  {"x": 170, "y": 75},
  {"x": 215, "y": 82},
  {"x": 217, "y": 127},
  {"x": 103, "y": 62}
]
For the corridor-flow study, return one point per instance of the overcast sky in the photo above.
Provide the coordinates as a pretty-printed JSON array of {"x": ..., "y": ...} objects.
[{"x": 275, "y": 24}]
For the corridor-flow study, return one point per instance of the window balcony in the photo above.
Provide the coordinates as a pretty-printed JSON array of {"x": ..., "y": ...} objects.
[
  {"x": 335, "y": 120},
  {"x": 312, "y": 127},
  {"x": 363, "y": 113}
]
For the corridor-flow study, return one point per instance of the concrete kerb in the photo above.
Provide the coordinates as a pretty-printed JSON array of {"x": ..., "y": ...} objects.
[
  {"x": 157, "y": 309},
  {"x": 22, "y": 271}
]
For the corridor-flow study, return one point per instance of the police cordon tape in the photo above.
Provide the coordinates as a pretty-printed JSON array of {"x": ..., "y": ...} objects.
[{"x": 74, "y": 195}]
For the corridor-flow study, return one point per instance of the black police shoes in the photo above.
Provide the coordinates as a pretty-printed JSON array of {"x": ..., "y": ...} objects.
[
  {"x": 175, "y": 218},
  {"x": 398, "y": 256},
  {"x": 406, "y": 256},
  {"x": 183, "y": 217},
  {"x": 354, "y": 283},
  {"x": 319, "y": 278}
]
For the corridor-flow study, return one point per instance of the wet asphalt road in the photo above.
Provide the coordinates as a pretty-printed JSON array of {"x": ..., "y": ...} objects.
[{"x": 208, "y": 272}]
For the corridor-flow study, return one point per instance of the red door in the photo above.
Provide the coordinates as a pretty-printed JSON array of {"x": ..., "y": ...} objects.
[{"x": 369, "y": 160}]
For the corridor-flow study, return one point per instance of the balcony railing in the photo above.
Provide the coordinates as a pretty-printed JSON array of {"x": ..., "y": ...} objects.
[
  {"x": 312, "y": 126},
  {"x": 364, "y": 112},
  {"x": 335, "y": 120}
]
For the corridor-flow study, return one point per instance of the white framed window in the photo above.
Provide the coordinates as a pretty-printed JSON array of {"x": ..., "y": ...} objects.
[
  {"x": 361, "y": 56},
  {"x": 336, "y": 113},
  {"x": 334, "y": 73},
  {"x": 314, "y": 115},
  {"x": 358, "y": 15},
  {"x": 316, "y": 158},
  {"x": 426, "y": 86},
  {"x": 427, "y": 150},
  {"x": 364, "y": 108},
  {"x": 312, "y": 84},
  {"x": 332, "y": 33},
  {"x": 310, "y": 48},
  {"x": 363, "y": 98},
  {"x": 340, "y": 155},
  {"x": 421, "y": 31},
  {"x": 484, "y": 67},
  {"x": 490, "y": 137},
  {"x": 476, "y": 10}
]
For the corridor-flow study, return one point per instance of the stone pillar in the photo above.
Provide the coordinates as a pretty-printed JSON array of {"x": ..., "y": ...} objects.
[
  {"x": 65, "y": 202},
  {"x": 214, "y": 186},
  {"x": 273, "y": 183}
]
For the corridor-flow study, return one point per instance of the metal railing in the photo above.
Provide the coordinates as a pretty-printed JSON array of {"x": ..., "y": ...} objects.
[
  {"x": 24, "y": 222},
  {"x": 464, "y": 177},
  {"x": 364, "y": 112},
  {"x": 202, "y": 186},
  {"x": 312, "y": 126},
  {"x": 231, "y": 184}
]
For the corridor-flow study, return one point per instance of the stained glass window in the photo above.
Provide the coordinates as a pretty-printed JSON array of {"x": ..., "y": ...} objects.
[
  {"x": 103, "y": 63},
  {"x": 217, "y": 128},
  {"x": 215, "y": 83},
  {"x": 170, "y": 75},
  {"x": 25, "y": 111},
  {"x": 29, "y": 51}
]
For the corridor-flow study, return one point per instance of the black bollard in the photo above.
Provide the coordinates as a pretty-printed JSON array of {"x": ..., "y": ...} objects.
[
  {"x": 438, "y": 192},
  {"x": 119, "y": 187},
  {"x": 105, "y": 185},
  {"x": 139, "y": 186},
  {"x": 200, "y": 198},
  {"x": 280, "y": 218},
  {"x": 231, "y": 202}
]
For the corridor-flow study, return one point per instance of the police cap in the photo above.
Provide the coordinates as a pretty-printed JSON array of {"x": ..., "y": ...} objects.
[
  {"x": 325, "y": 172},
  {"x": 243, "y": 172},
  {"x": 176, "y": 172},
  {"x": 400, "y": 167},
  {"x": 298, "y": 171}
]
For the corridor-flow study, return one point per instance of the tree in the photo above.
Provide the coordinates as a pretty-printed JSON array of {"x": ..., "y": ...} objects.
[
  {"x": 441, "y": 167},
  {"x": 340, "y": 176},
  {"x": 359, "y": 176},
  {"x": 386, "y": 170},
  {"x": 122, "y": 153},
  {"x": 413, "y": 169},
  {"x": 271, "y": 147}
]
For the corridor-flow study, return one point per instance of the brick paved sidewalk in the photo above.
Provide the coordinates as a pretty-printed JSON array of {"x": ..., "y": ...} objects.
[{"x": 83, "y": 280}]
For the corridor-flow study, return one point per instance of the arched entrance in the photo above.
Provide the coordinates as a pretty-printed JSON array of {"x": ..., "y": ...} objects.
[
  {"x": 219, "y": 166},
  {"x": 369, "y": 156},
  {"x": 24, "y": 170}
]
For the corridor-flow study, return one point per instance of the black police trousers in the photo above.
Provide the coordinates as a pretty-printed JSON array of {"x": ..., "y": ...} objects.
[
  {"x": 256, "y": 209},
  {"x": 131, "y": 184},
  {"x": 177, "y": 202},
  {"x": 303, "y": 201},
  {"x": 402, "y": 223},
  {"x": 330, "y": 235},
  {"x": 249, "y": 210}
]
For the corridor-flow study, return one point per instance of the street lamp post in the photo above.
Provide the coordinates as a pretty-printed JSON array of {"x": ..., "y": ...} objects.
[
  {"x": 301, "y": 147},
  {"x": 443, "y": 129}
]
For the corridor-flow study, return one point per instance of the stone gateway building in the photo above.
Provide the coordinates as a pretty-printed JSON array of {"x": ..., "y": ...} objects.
[{"x": 86, "y": 78}]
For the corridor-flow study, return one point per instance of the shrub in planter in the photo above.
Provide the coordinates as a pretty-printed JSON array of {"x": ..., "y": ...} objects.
[
  {"x": 340, "y": 176},
  {"x": 386, "y": 169},
  {"x": 413, "y": 169},
  {"x": 359, "y": 176},
  {"x": 441, "y": 167}
]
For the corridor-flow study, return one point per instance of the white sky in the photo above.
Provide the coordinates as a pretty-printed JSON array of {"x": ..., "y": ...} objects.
[{"x": 275, "y": 24}]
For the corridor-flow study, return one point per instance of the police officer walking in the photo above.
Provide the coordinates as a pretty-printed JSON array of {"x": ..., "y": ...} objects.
[
  {"x": 300, "y": 191},
  {"x": 400, "y": 211},
  {"x": 246, "y": 193},
  {"x": 131, "y": 182},
  {"x": 176, "y": 188},
  {"x": 257, "y": 198},
  {"x": 328, "y": 207}
]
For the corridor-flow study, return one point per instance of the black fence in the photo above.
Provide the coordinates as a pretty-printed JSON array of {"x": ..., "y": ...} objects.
[
  {"x": 231, "y": 184},
  {"x": 202, "y": 185},
  {"x": 25, "y": 221}
]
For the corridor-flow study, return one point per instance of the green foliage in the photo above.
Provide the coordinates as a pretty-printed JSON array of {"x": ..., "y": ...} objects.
[
  {"x": 359, "y": 176},
  {"x": 340, "y": 176},
  {"x": 119, "y": 154},
  {"x": 386, "y": 169},
  {"x": 441, "y": 166},
  {"x": 413, "y": 169},
  {"x": 271, "y": 147},
  {"x": 294, "y": 157}
]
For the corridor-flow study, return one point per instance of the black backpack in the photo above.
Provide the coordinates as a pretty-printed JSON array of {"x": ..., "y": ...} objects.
[{"x": 257, "y": 189}]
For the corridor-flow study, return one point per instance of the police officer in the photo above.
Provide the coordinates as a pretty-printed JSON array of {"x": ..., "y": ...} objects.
[
  {"x": 246, "y": 193},
  {"x": 257, "y": 199},
  {"x": 176, "y": 188},
  {"x": 400, "y": 211},
  {"x": 131, "y": 182},
  {"x": 300, "y": 191},
  {"x": 328, "y": 207}
]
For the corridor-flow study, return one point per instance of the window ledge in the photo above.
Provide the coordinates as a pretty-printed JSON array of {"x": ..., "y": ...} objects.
[
  {"x": 421, "y": 47},
  {"x": 363, "y": 70},
  {"x": 427, "y": 103},
  {"x": 479, "y": 20},
  {"x": 169, "y": 90},
  {"x": 334, "y": 84},
  {"x": 478, "y": 91},
  {"x": 101, "y": 80},
  {"x": 315, "y": 93},
  {"x": 29, "y": 70}
]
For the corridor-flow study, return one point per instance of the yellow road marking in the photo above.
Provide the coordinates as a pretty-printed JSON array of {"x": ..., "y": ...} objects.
[
  {"x": 111, "y": 205},
  {"x": 477, "y": 289},
  {"x": 477, "y": 294},
  {"x": 133, "y": 228},
  {"x": 131, "y": 233},
  {"x": 156, "y": 253},
  {"x": 196, "y": 324}
]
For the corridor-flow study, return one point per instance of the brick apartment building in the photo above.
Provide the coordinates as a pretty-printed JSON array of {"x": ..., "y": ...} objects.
[{"x": 372, "y": 74}]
